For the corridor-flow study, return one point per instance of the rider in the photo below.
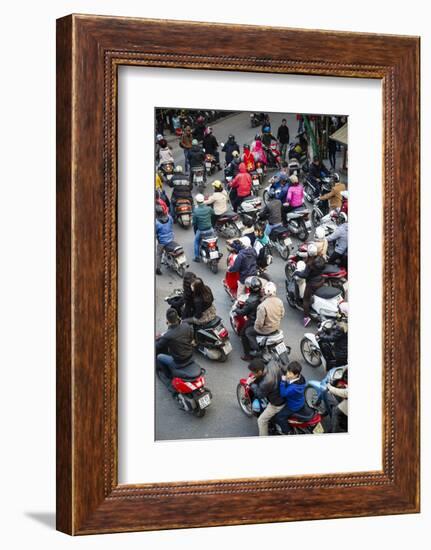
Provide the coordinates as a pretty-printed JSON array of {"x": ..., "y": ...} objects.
[
  {"x": 279, "y": 181},
  {"x": 202, "y": 298},
  {"x": 334, "y": 197},
  {"x": 242, "y": 184},
  {"x": 164, "y": 234},
  {"x": 321, "y": 241},
  {"x": 248, "y": 158},
  {"x": 245, "y": 263},
  {"x": 294, "y": 197},
  {"x": 229, "y": 147},
  {"x": 292, "y": 387},
  {"x": 196, "y": 158},
  {"x": 182, "y": 189},
  {"x": 272, "y": 212},
  {"x": 265, "y": 383},
  {"x": 340, "y": 236},
  {"x": 268, "y": 317},
  {"x": 318, "y": 170},
  {"x": 248, "y": 309},
  {"x": 340, "y": 412},
  {"x": 165, "y": 153},
  {"x": 261, "y": 245},
  {"x": 312, "y": 274},
  {"x": 232, "y": 168},
  {"x": 202, "y": 223},
  {"x": 258, "y": 151},
  {"x": 267, "y": 137},
  {"x": 210, "y": 145},
  {"x": 174, "y": 348},
  {"x": 218, "y": 200}
]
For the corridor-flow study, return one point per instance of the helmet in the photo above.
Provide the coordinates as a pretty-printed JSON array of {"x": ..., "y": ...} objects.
[
  {"x": 217, "y": 184},
  {"x": 246, "y": 146},
  {"x": 247, "y": 220},
  {"x": 245, "y": 241},
  {"x": 163, "y": 143},
  {"x": 195, "y": 142},
  {"x": 342, "y": 218},
  {"x": 344, "y": 308},
  {"x": 266, "y": 129},
  {"x": 335, "y": 177},
  {"x": 257, "y": 136},
  {"x": 199, "y": 198},
  {"x": 300, "y": 266},
  {"x": 254, "y": 284},
  {"x": 270, "y": 289},
  {"x": 159, "y": 211},
  {"x": 294, "y": 179},
  {"x": 178, "y": 169},
  {"x": 319, "y": 233},
  {"x": 159, "y": 137},
  {"x": 235, "y": 154},
  {"x": 231, "y": 137},
  {"x": 312, "y": 249}
]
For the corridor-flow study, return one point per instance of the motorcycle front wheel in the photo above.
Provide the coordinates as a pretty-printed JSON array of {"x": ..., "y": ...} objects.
[
  {"x": 315, "y": 218},
  {"x": 284, "y": 251},
  {"x": 311, "y": 355},
  {"x": 265, "y": 197},
  {"x": 243, "y": 401},
  {"x": 303, "y": 232},
  {"x": 181, "y": 271}
]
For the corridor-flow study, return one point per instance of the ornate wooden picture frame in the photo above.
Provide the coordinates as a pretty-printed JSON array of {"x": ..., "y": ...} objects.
[{"x": 89, "y": 51}]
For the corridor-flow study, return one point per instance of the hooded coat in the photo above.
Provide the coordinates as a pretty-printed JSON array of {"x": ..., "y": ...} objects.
[
  {"x": 229, "y": 147},
  {"x": 259, "y": 152},
  {"x": 242, "y": 182},
  {"x": 245, "y": 263}
]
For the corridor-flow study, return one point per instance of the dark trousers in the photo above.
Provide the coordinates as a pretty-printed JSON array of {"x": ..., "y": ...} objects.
[
  {"x": 310, "y": 289},
  {"x": 332, "y": 159},
  {"x": 244, "y": 339},
  {"x": 282, "y": 419},
  {"x": 250, "y": 334},
  {"x": 337, "y": 257},
  {"x": 339, "y": 421}
]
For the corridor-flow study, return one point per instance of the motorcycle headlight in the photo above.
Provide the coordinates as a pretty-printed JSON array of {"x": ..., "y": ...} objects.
[{"x": 338, "y": 374}]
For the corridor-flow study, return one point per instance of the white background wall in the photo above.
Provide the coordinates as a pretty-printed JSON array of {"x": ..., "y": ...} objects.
[{"x": 27, "y": 274}]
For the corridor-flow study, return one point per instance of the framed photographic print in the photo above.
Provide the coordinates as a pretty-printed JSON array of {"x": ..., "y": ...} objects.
[{"x": 237, "y": 274}]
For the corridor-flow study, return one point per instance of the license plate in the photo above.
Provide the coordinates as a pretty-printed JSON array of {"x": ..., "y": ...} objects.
[
  {"x": 227, "y": 348},
  {"x": 318, "y": 429},
  {"x": 199, "y": 179},
  {"x": 239, "y": 224},
  {"x": 208, "y": 165},
  {"x": 308, "y": 224},
  {"x": 214, "y": 254},
  {"x": 287, "y": 241},
  {"x": 181, "y": 259},
  {"x": 204, "y": 401},
  {"x": 280, "y": 348}
]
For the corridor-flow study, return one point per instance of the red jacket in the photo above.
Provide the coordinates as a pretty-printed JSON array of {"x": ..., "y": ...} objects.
[
  {"x": 242, "y": 182},
  {"x": 249, "y": 160}
]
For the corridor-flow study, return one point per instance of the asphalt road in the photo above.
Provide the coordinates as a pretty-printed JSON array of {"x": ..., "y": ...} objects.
[{"x": 224, "y": 417}]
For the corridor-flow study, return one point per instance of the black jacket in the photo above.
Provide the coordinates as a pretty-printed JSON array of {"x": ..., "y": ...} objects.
[
  {"x": 313, "y": 270},
  {"x": 269, "y": 385},
  {"x": 199, "y": 131},
  {"x": 272, "y": 212},
  {"x": 182, "y": 188},
  {"x": 338, "y": 337},
  {"x": 229, "y": 147},
  {"x": 245, "y": 263},
  {"x": 250, "y": 307},
  {"x": 210, "y": 144},
  {"x": 177, "y": 341},
  {"x": 196, "y": 156},
  {"x": 317, "y": 170},
  {"x": 283, "y": 134}
]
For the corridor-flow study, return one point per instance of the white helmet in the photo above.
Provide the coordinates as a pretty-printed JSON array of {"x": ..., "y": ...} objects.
[
  {"x": 344, "y": 308},
  {"x": 312, "y": 249},
  {"x": 270, "y": 289},
  {"x": 178, "y": 168},
  {"x": 342, "y": 218},
  {"x": 294, "y": 179},
  {"x": 319, "y": 233},
  {"x": 199, "y": 198},
  {"x": 159, "y": 137},
  {"x": 300, "y": 266},
  {"x": 245, "y": 241}
]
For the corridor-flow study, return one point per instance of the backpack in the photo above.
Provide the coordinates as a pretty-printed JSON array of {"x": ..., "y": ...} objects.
[{"x": 264, "y": 257}]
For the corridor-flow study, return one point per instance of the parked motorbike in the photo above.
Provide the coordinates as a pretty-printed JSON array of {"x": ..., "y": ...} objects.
[
  {"x": 325, "y": 301},
  {"x": 212, "y": 339},
  {"x": 318, "y": 396},
  {"x": 199, "y": 177},
  {"x": 209, "y": 252},
  {"x": 229, "y": 225},
  {"x": 305, "y": 421},
  {"x": 210, "y": 164},
  {"x": 183, "y": 212},
  {"x": 316, "y": 353},
  {"x": 167, "y": 171},
  {"x": 188, "y": 388},
  {"x": 174, "y": 258}
]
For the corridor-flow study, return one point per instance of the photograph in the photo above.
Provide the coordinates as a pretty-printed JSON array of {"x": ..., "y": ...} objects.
[{"x": 251, "y": 273}]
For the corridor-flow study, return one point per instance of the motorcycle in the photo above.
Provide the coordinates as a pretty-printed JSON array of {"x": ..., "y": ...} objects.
[
  {"x": 314, "y": 187},
  {"x": 273, "y": 155},
  {"x": 255, "y": 183},
  {"x": 183, "y": 212},
  {"x": 229, "y": 225},
  {"x": 212, "y": 339},
  {"x": 256, "y": 119},
  {"x": 210, "y": 164},
  {"x": 209, "y": 252},
  {"x": 199, "y": 177},
  {"x": 317, "y": 394},
  {"x": 271, "y": 347},
  {"x": 325, "y": 300},
  {"x": 188, "y": 388},
  {"x": 174, "y": 258},
  {"x": 334, "y": 275},
  {"x": 305, "y": 421},
  {"x": 249, "y": 208},
  {"x": 315, "y": 354},
  {"x": 279, "y": 240},
  {"x": 298, "y": 223},
  {"x": 260, "y": 170},
  {"x": 167, "y": 171}
]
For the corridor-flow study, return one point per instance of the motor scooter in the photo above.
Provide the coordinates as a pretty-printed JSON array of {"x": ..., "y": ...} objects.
[
  {"x": 319, "y": 397},
  {"x": 174, "y": 258},
  {"x": 316, "y": 353},
  {"x": 183, "y": 212}
]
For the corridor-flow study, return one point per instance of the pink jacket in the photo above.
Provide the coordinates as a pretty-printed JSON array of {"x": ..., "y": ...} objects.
[
  {"x": 258, "y": 152},
  {"x": 295, "y": 195}
]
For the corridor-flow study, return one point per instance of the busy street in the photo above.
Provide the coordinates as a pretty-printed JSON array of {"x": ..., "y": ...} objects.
[{"x": 224, "y": 417}]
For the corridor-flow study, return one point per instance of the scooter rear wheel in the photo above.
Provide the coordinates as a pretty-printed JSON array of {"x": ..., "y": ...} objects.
[{"x": 199, "y": 413}]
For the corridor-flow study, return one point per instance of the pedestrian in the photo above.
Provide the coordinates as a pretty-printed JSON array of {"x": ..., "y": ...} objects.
[
  {"x": 283, "y": 138},
  {"x": 186, "y": 145},
  {"x": 332, "y": 151}
]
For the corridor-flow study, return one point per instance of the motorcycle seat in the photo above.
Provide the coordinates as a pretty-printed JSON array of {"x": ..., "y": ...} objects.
[
  {"x": 277, "y": 231},
  {"x": 331, "y": 268},
  {"x": 212, "y": 323},
  {"x": 227, "y": 216},
  {"x": 184, "y": 201},
  {"x": 263, "y": 339},
  {"x": 327, "y": 292},
  {"x": 174, "y": 248},
  {"x": 303, "y": 414},
  {"x": 189, "y": 372},
  {"x": 296, "y": 214}
]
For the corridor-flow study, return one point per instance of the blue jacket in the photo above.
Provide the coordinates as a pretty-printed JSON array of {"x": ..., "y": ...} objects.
[
  {"x": 245, "y": 263},
  {"x": 293, "y": 393},
  {"x": 164, "y": 230}
]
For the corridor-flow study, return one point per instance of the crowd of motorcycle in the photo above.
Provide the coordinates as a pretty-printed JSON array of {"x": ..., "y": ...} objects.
[{"x": 270, "y": 193}]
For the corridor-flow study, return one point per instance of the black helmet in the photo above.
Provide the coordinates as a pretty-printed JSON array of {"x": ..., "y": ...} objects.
[
  {"x": 254, "y": 284},
  {"x": 231, "y": 137},
  {"x": 159, "y": 211}
]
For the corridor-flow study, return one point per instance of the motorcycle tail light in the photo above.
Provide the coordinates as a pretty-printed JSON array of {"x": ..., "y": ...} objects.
[
  {"x": 223, "y": 333},
  {"x": 212, "y": 244}
]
